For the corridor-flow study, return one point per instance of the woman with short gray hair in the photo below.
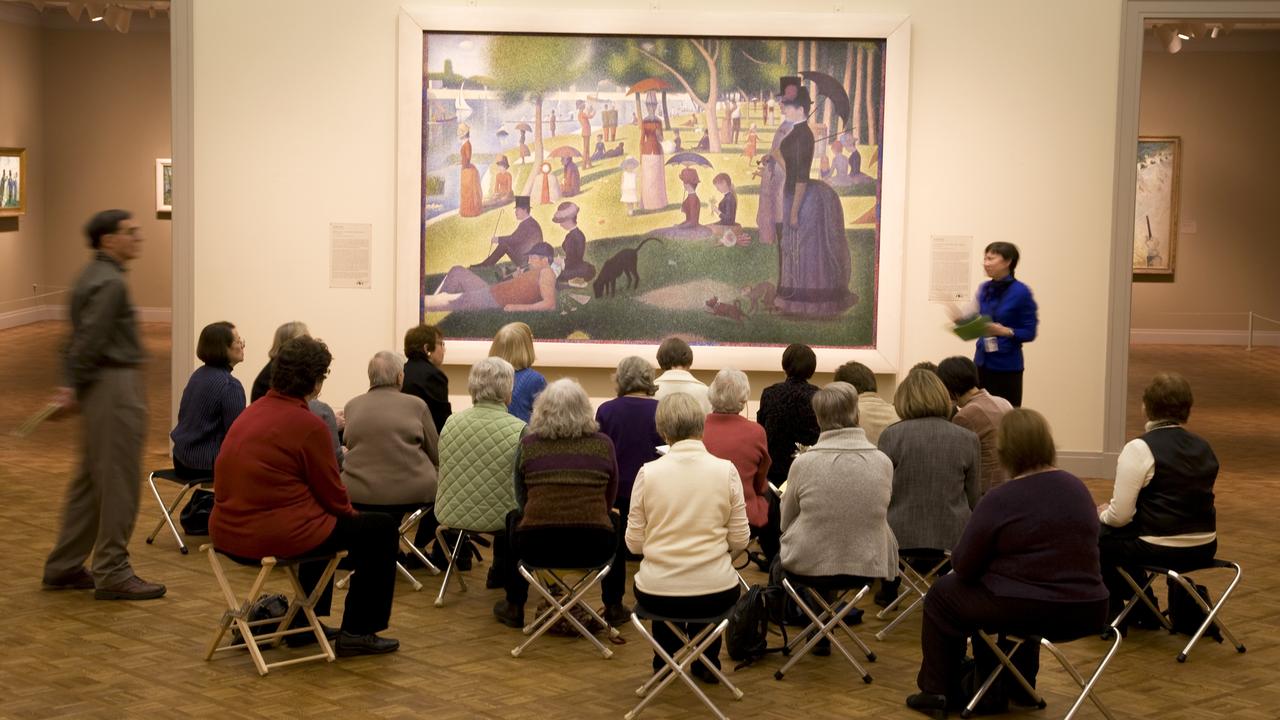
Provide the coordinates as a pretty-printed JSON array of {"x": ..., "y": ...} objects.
[
  {"x": 566, "y": 479},
  {"x": 836, "y": 504},
  {"x": 733, "y": 437},
  {"x": 687, "y": 519},
  {"x": 392, "y": 446},
  {"x": 628, "y": 420},
  {"x": 490, "y": 380}
]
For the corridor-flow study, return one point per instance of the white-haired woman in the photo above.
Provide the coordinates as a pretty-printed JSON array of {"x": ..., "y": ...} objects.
[
  {"x": 628, "y": 420},
  {"x": 733, "y": 437},
  {"x": 687, "y": 519},
  {"x": 478, "y": 448},
  {"x": 566, "y": 478},
  {"x": 392, "y": 452}
]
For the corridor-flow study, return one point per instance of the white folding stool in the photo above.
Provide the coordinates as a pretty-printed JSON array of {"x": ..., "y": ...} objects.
[
  {"x": 824, "y": 625},
  {"x": 913, "y": 582},
  {"x": 545, "y": 581},
  {"x": 166, "y": 511},
  {"x": 693, "y": 649},
  {"x": 410, "y": 523},
  {"x": 1188, "y": 586}
]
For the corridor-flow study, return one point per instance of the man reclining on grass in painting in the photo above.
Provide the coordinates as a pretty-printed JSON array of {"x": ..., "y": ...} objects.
[{"x": 533, "y": 288}]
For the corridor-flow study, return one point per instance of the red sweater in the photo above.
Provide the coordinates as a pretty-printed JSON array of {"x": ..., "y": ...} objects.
[
  {"x": 742, "y": 442},
  {"x": 277, "y": 488}
]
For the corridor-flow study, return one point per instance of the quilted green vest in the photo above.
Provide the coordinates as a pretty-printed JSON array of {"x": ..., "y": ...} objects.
[{"x": 477, "y": 464}]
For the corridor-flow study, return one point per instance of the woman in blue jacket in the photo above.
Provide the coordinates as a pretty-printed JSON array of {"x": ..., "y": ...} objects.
[{"x": 1012, "y": 310}]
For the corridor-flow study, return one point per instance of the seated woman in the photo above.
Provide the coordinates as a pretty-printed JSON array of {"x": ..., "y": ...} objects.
[
  {"x": 423, "y": 378},
  {"x": 1161, "y": 510},
  {"x": 835, "y": 510},
  {"x": 278, "y": 493},
  {"x": 478, "y": 458},
  {"x": 1026, "y": 564},
  {"x": 629, "y": 422},
  {"x": 283, "y": 334},
  {"x": 574, "y": 245},
  {"x": 978, "y": 411},
  {"x": 514, "y": 343},
  {"x": 786, "y": 410},
  {"x": 936, "y": 470},
  {"x": 532, "y": 289},
  {"x": 730, "y": 436},
  {"x": 211, "y": 402},
  {"x": 391, "y": 445},
  {"x": 566, "y": 480},
  {"x": 687, "y": 519}
]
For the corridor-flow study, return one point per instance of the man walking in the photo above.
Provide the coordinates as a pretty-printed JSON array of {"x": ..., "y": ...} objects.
[{"x": 103, "y": 371}]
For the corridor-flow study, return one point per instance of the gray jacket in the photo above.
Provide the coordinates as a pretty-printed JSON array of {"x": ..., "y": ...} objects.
[
  {"x": 834, "y": 509},
  {"x": 936, "y": 481},
  {"x": 104, "y": 332},
  {"x": 392, "y": 449}
]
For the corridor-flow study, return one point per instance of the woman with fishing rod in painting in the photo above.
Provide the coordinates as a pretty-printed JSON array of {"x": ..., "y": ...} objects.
[{"x": 813, "y": 254}]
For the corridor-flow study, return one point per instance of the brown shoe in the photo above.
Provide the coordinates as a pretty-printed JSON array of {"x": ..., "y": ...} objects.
[
  {"x": 78, "y": 579},
  {"x": 135, "y": 588}
]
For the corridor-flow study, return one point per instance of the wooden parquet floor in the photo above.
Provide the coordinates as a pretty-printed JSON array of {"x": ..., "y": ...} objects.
[{"x": 67, "y": 655}]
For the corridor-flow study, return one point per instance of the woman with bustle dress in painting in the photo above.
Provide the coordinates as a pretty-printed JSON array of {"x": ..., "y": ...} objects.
[
  {"x": 653, "y": 172},
  {"x": 814, "y": 267},
  {"x": 471, "y": 202}
]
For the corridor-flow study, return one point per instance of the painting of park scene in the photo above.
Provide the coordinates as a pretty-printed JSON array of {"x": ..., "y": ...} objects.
[{"x": 625, "y": 189}]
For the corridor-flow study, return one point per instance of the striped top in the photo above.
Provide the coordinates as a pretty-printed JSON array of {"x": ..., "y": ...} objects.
[
  {"x": 569, "y": 482},
  {"x": 211, "y": 401}
]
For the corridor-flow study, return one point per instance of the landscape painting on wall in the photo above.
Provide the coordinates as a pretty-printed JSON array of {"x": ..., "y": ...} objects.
[
  {"x": 13, "y": 179},
  {"x": 1155, "y": 222},
  {"x": 623, "y": 189}
]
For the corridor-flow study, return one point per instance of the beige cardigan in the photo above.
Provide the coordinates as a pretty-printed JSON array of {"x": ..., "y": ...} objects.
[
  {"x": 391, "y": 449},
  {"x": 687, "y": 518}
]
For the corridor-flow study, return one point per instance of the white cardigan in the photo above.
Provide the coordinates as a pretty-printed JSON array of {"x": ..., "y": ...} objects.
[{"x": 688, "y": 518}]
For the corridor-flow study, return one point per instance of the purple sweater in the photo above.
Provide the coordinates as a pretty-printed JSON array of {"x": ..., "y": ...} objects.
[
  {"x": 629, "y": 423},
  {"x": 1036, "y": 538}
]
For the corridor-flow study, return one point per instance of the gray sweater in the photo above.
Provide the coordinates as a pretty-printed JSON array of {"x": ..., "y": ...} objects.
[
  {"x": 834, "y": 509},
  {"x": 391, "y": 449},
  {"x": 936, "y": 481}
]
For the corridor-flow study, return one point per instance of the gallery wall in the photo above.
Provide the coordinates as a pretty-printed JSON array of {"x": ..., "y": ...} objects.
[
  {"x": 295, "y": 128},
  {"x": 92, "y": 108},
  {"x": 1224, "y": 107},
  {"x": 21, "y": 252}
]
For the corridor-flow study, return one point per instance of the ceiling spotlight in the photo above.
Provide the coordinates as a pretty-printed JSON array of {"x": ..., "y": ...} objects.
[
  {"x": 96, "y": 9},
  {"x": 1214, "y": 31},
  {"x": 1169, "y": 38},
  {"x": 1183, "y": 35}
]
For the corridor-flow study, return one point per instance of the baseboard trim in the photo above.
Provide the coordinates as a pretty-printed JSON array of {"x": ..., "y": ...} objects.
[
  {"x": 1156, "y": 336},
  {"x": 1089, "y": 464},
  {"x": 43, "y": 313}
]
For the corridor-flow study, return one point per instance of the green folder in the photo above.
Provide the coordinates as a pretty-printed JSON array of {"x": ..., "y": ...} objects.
[{"x": 972, "y": 328}]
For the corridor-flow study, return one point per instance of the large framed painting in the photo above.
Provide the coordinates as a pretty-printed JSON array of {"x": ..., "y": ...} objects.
[
  {"x": 611, "y": 189},
  {"x": 1155, "y": 222},
  {"x": 13, "y": 181}
]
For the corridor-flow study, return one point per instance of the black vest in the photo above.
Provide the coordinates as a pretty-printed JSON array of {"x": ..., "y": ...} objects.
[{"x": 1179, "y": 498}]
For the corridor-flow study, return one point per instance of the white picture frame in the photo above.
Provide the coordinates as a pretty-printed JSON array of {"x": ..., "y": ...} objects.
[{"x": 164, "y": 185}]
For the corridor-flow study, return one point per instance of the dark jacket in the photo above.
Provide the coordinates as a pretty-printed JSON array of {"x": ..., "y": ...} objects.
[
  {"x": 104, "y": 332},
  {"x": 786, "y": 412},
  {"x": 1179, "y": 498},
  {"x": 426, "y": 381}
]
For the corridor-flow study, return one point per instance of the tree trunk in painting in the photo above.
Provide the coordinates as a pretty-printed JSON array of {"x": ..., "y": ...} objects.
[
  {"x": 859, "y": 125},
  {"x": 639, "y": 110},
  {"x": 848, "y": 80},
  {"x": 537, "y": 132},
  {"x": 709, "y": 109},
  {"x": 666, "y": 116},
  {"x": 872, "y": 115},
  {"x": 800, "y": 56},
  {"x": 782, "y": 60}
]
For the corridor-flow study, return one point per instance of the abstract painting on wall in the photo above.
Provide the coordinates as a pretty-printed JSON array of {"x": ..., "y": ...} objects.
[
  {"x": 13, "y": 181},
  {"x": 620, "y": 189},
  {"x": 1155, "y": 222}
]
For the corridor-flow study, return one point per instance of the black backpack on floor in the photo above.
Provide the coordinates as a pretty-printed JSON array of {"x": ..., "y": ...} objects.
[
  {"x": 1186, "y": 615},
  {"x": 747, "y": 637}
]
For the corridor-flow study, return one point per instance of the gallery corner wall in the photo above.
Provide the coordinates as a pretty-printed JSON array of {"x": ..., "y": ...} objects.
[
  {"x": 91, "y": 107},
  {"x": 1225, "y": 108},
  {"x": 1011, "y": 137}
]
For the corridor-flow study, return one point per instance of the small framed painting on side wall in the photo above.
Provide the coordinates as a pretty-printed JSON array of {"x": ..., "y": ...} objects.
[
  {"x": 164, "y": 185},
  {"x": 13, "y": 181}
]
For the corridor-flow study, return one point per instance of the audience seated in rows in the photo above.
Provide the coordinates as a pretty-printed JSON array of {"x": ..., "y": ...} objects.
[
  {"x": 423, "y": 378},
  {"x": 392, "y": 447},
  {"x": 321, "y": 409},
  {"x": 786, "y": 410},
  {"x": 629, "y": 421},
  {"x": 731, "y": 436},
  {"x": 211, "y": 402},
  {"x": 566, "y": 480},
  {"x": 979, "y": 412},
  {"x": 1161, "y": 511},
  {"x": 874, "y": 413},
  {"x": 1026, "y": 564},
  {"x": 687, "y": 519},
  {"x": 478, "y": 451},
  {"x": 835, "y": 509},
  {"x": 936, "y": 470},
  {"x": 675, "y": 357},
  {"x": 514, "y": 343},
  {"x": 278, "y": 493}
]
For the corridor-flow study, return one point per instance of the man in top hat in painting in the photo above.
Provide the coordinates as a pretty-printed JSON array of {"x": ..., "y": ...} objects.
[{"x": 516, "y": 245}]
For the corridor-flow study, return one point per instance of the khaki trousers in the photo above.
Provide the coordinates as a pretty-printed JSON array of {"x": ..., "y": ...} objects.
[{"x": 102, "y": 499}]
